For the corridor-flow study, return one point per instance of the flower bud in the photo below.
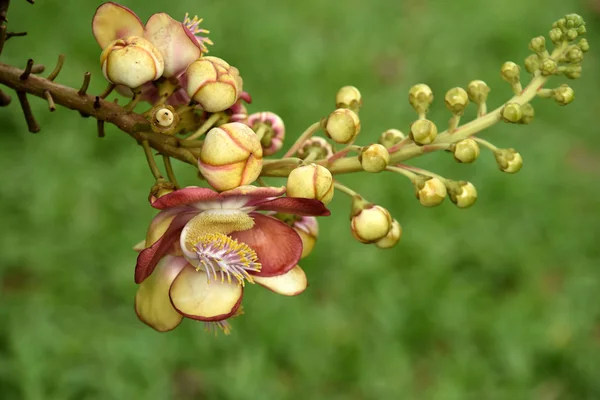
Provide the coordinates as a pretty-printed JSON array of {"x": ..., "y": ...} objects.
[
  {"x": 564, "y": 94},
  {"x": 532, "y": 63},
  {"x": 555, "y": 35},
  {"x": 369, "y": 222},
  {"x": 238, "y": 112},
  {"x": 374, "y": 158},
  {"x": 572, "y": 34},
  {"x": 508, "y": 160},
  {"x": 431, "y": 191},
  {"x": 391, "y": 137},
  {"x": 575, "y": 55},
  {"x": 510, "y": 72},
  {"x": 317, "y": 145},
  {"x": 456, "y": 100},
  {"x": 573, "y": 71},
  {"x": 583, "y": 45},
  {"x": 538, "y": 44},
  {"x": 273, "y": 130},
  {"x": 462, "y": 193},
  {"x": 342, "y": 125},
  {"x": 392, "y": 238},
  {"x": 231, "y": 156},
  {"x": 213, "y": 83},
  {"x": 423, "y": 131},
  {"x": 308, "y": 230},
  {"x": 528, "y": 114},
  {"x": 466, "y": 151},
  {"x": 478, "y": 91},
  {"x": 159, "y": 189},
  {"x": 420, "y": 97},
  {"x": 548, "y": 67},
  {"x": 311, "y": 181},
  {"x": 131, "y": 61},
  {"x": 512, "y": 113},
  {"x": 164, "y": 120},
  {"x": 348, "y": 97}
]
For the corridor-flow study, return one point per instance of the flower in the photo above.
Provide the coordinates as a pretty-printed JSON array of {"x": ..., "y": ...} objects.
[
  {"x": 273, "y": 130},
  {"x": 213, "y": 83},
  {"x": 176, "y": 41},
  {"x": 203, "y": 246}
]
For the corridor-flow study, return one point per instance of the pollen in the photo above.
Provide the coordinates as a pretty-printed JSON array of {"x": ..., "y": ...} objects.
[{"x": 193, "y": 25}]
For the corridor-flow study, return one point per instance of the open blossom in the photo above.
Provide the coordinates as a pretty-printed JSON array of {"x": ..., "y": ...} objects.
[{"x": 204, "y": 246}]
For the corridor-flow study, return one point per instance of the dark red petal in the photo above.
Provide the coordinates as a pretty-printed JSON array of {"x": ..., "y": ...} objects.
[
  {"x": 254, "y": 194},
  {"x": 188, "y": 195},
  {"x": 148, "y": 258},
  {"x": 277, "y": 246},
  {"x": 295, "y": 205}
]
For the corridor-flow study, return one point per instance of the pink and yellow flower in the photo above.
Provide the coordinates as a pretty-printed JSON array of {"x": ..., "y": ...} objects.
[{"x": 204, "y": 246}]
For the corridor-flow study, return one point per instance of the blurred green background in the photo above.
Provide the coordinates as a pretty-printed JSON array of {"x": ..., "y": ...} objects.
[{"x": 499, "y": 301}]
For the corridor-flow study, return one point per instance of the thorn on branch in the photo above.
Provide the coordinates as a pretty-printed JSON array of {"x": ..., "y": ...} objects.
[
  {"x": 27, "y": 70},
  {"x": 107, "y": 91},
  {"x": 50, "y": 100},
  {"x": 15, "y": 34},
  {"x": 32, "y": 124},
  {"x": 4, "y": 99},
  {"x": 97, "y": 102},
  {"x": 30, "y": 1},
  {"x": 86, "y": 83},
  {"x": 59, "y": 65},
  {"x": 100, "y": 126}
]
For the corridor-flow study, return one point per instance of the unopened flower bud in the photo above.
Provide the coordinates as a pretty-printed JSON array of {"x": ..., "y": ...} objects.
[
  {"x": 164, "y": 120},
  {"x": 431, "y": 191},
  {"x": 555, "y": 35},
  {"x": 391, "y": 137},
  {"x": 512, "y": 112},
  {"x": 508, "y": 160},
  {"x": 510, "y": 72},
  {"x": 369, "y": 223},
  {"x": 575, "y": 55},
  {"x": 573, "y": 71},
  {"x": 317, "y": 145},
  {"x": 466, "y": 151},
  {"x": 423, "y": 131},
  {"x": 456, "y": 100},
  {"x": 311, "y": 181},
  {"x": 348, "y": 97},
  {"x": 131, "y": 61},
  {"x": 392, "y": 238},
  {"x": 238, "y": 112},
  {"x": 538, "y": 44},
  {"x": 420, "y": 97},
  {"x": 308, "y": 230},
  {"x": 532, "y": 63},
  {"x": 478, "y": 91},
  {"x": 374, "y": 158},
  {"x": 159, "y": 189},
  {"x": 273, "y": 130},
  {"x": 231, "y": 156},
  {"x": 213, "y": 83},
  {"x": 462, "y": 193},
  {"x": 342, "y": 125},
  {"x": 548, "y": 67},
  {"x": 583, "y": 45},
  {"x": 571, "y": 34},
  {"x": 564, "y": 94}
]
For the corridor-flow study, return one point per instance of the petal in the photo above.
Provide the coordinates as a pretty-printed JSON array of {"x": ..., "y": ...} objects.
[
  {"x": 188, "y": 195},
  {"x": 194, "y": 297},
  {"x": 161, "y": 222},
  {"x": 295, "y": 205},
  {"x": 139, "y": 246},
  {"x": 148, "y": 258},
  {"x": 277, "y": 246},
  {"x": 152, "y": 302},
  {"x": 177, "y": 45},
  {"x": 292, "y": 283},
  {"x": 255, "y": 192},
  {"x": 113, "y": 21}
]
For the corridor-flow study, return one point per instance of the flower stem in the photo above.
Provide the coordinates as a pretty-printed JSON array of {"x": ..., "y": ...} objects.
[
  {"x": 205, "y": 127},
  {"x": 311, "y": 130},
  {"x": 420, "y": 171},
  {"x": 151, "y": 161},
  {"x": 170, "y": 173},
  {"x": 402, "y": 171},
  {"x": 345, "y": 189}
]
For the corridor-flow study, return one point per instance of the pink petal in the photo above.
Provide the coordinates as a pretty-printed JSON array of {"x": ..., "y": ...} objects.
[
  {"x": 187, "y": 195},
  {"x": 295, "y": 205},
  {"x": 148, "y": 258},
  {"x": 177, "y": 45},
  {"x": 195, "y": 297},
  {"x": 277, "y": 246},
  {"x": 152, "y": 302},
  {"x": 113, "y": 21},
  {"x": 292, "y": 283}
]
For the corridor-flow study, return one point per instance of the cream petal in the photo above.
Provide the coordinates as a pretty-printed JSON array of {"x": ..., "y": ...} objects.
[
  {"x": 292, "y": 283},
  {"x": 152, "y": 302},
  {"x": 113, "y": 21},
  {"x": 194, "y": 297}
]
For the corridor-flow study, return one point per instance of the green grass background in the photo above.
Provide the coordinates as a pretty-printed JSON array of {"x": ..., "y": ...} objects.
[{"x": 499, "y": 301}]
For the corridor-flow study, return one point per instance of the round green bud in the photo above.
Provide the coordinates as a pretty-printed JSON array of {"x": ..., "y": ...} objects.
[
  {"x": 532, "y": 63},
  {"x": 478, "y": 91},
  {"x": 538, "y": 44},
  {"x": 573, "y": 71},
  {"x": 581, "y": 30},
  {"x": 508, "y": 160},
  {"x": 392, "y": 238},
  {"x": 462, "y": 193},
  {"x": 456, "y": 100},
  {"x": 564, "y": 94},
  {"x": 528, "y": 113},
  {"x": 572, "y": 34},
  {"x": 343, "y": 125},
  {"x": 548, "y": 67},
  {"x": 512, "y": 112},
  {"x": 574, "y": 20},
  {"x": 431, "y": 192},
  {"x": 370, "y": 223},
  {"x": 555, "y": 35},
  {"x": 466, "y": 151},
  {"x": 561, "y": 23},
  {"x": 510, "y": 72},
  {"x": 420, "y": 97},
  {"x": 374, "y": 158},
  {"x": 423, "y": 131},
  {"x": 583, "y": 45},
  {"x": 391, "y": 137},
  {"x": 575, "y": 54},
  {"x": 348, "y": 97}
]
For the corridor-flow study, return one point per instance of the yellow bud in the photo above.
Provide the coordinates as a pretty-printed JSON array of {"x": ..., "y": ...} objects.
[
  {"x": 512, "y": 112},
  {"x": 528, "y": 113},
  {"x": 342, "y": 125},
  {"x": 371, "y": 223},
  {"x": 431, "y": 192},
  {"x": 548, "y": 67},
  {"x": 374, "y": 158},
  {"x": 308, "y": 230},
  {"x": 311, "y": 181},
  {"x": 466, "y": 151},
  {"x": 509, "y": 160},
  {"x": 456, "y": 100},
  {"x": 510, "y": 72},
  {"x": 391, "y": 137},
  {"x": 131, "y": 61},
  {"x": 532, "y": 63},
  {"x": 213, "y": 83},
  {"x": 392, "y": 238},
  {"x": 463, "y": 194},
  {"x": 564, "y": 94},
  {"x": 538, "y": 44},
  {"x": 420, "y": 97},
  {"x": 348, "y": 97},
  {"x": 423, "y": 131},
  {"x": 575, "y": 55},
  {"x": 231, "y": 156},
  {"x": 478, "y": 91}
]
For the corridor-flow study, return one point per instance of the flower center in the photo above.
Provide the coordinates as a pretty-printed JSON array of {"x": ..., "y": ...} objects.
[
  {"x": 193, "y": 25},
  {"x": 218, "y": 254}
]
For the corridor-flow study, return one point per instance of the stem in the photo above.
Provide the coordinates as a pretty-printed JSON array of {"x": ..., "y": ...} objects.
[
  {"x": 260, "y": 132},
  {"x": 410, "y": 175},
  {"x": 485, "y": 143},
  {"x": 345, "y": 189},
  {"x": 205, "y": 127},
  {"x": 453, "y": 123},
  {"x": 170, "y": 173},
  {"x": 311, "y": 130},
  {"x": 343, "y": 152},
  {"x": 151, "y": 161},
  {"x": 481, "y": 109},
  {"x": 420, "y": 171},
  {"x": 399, "y": 145}
]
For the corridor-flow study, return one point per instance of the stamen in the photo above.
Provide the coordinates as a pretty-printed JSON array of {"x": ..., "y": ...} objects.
[
  {"x": 193, "y": 25},
  {"x": 214, "y": 326}
]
